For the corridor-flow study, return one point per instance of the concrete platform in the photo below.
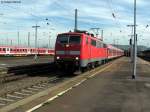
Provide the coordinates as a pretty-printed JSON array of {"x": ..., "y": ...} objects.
[
  {"x": 19, "y": 61},
  {"x": 112, "y": 90}
]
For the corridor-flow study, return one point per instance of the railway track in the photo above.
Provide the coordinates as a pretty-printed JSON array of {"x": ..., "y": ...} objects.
[
  {"x": 145, "y": 58},
  {"x": 20, "y": 72},
  {"x": 14, "y": 91},
  {"x": 20, "y": 82},
  {"x": 23, "y": 92}
]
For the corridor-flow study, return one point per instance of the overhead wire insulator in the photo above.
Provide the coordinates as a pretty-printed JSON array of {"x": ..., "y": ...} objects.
[
  {"x": 113, "y": 15},
  {"x": 147, "y": 26}
]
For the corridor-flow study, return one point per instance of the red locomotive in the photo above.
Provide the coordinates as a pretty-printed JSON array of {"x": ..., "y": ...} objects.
[{"x": 81, "y": 50}]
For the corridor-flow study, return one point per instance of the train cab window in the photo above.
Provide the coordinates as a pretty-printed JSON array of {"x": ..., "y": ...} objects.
[
  {"x": 4, "y": 49},
  {"x": 62, "y": 39},
  {"x": 65, "y": 39},
  {"x": 74, "y": 39},
  {"x": 93, "y": 42}
]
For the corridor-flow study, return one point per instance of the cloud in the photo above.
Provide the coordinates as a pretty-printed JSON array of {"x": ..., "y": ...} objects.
[{"x": 60, "y": 14}]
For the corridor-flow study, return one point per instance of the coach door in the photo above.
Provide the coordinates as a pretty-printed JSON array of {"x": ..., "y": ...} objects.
[{"x": 7, "y": 50}]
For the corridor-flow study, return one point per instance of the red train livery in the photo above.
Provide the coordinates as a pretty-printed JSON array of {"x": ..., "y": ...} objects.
[
  {"x": 24, "y": 51},
  {"x": 81, "y": 50}
]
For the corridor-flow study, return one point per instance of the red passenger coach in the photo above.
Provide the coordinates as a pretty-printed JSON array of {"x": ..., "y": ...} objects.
[
  {"x": 81, "y": 50},
  {"x": 114, "y": 52},
  {"x": 24, "y": 51}
]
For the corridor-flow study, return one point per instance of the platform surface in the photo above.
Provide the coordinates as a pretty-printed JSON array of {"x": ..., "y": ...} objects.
[{"x": 113, "y": 90}]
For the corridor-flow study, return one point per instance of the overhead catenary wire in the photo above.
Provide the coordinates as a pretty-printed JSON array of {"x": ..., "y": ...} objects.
[
  {"x": 113, "y": 13},
  {"x": 33, "y": 15}
]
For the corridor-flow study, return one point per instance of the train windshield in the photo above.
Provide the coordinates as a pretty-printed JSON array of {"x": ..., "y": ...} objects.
[
  {"x": 63, "y": 39},
  {"x": 69, "y": 39},
  {"x": 74, "y": 40}
]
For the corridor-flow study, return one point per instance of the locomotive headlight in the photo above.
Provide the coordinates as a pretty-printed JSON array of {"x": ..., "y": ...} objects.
[
  {"x": 77, "y": 58},
  {"x": 57, "y": 57}
]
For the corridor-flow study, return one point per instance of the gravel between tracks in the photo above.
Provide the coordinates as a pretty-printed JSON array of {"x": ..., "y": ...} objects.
[{"x": 20, "y": 84}]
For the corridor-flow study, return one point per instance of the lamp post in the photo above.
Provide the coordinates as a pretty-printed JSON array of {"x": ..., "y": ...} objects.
[{"x": 135, "y": 44}]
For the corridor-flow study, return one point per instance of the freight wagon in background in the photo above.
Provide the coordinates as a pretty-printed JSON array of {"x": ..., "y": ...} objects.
[
  {"x": 24, "y": 51},
  {"x": 80, "y": 50}
]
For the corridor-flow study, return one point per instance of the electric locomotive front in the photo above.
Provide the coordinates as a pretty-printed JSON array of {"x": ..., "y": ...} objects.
[{"x": 67, "y": 50}]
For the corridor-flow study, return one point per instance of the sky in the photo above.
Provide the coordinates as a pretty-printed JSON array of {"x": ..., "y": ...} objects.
[{"x": 112, "y": 16}]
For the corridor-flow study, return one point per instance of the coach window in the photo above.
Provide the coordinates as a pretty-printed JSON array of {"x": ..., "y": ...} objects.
[
  {"x": 93, "y": 42},
  {"x": 4, "y": 49}
]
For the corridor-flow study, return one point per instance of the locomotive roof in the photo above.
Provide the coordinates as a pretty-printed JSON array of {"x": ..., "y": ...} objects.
[
  {"x": 81, "y": 33},
  {"x": 95, "y": 38}
]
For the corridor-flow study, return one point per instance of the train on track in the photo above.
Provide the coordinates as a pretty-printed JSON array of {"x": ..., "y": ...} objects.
[
  {"x": 81, "y": 50},
  {"x": 145, "y": 54},
  {"x": 24, "y": 51}
]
